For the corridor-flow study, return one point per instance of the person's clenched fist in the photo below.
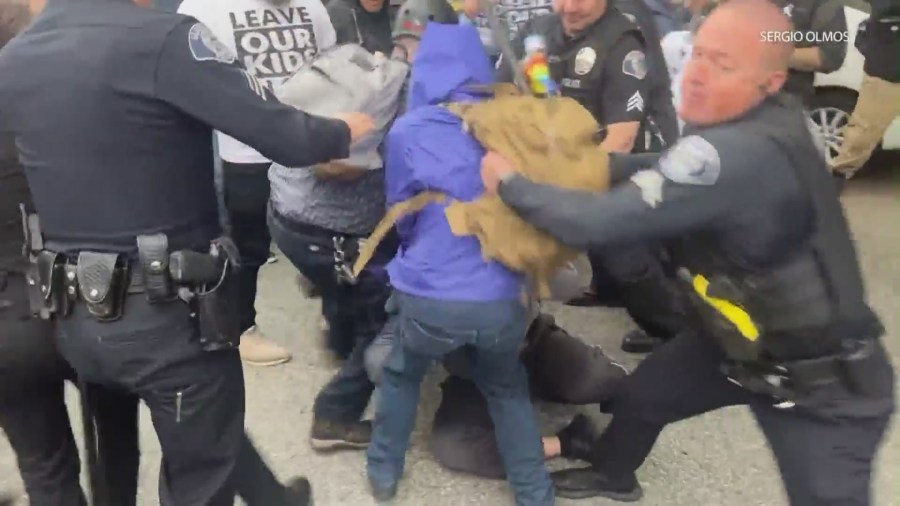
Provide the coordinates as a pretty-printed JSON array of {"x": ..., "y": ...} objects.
[{"x": 359, "y": 124}]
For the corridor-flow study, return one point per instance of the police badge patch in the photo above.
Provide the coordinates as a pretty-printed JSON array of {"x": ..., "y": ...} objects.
[
  {"x": 206, "y": 47},
  {"x": 635, "y": 64},
  {"x": 584, "y": 60},
  {"x": 692, "y": 160}
]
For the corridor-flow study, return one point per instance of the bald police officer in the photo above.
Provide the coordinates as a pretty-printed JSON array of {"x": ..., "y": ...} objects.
[
  {"x": 780, "y": 319},
  {"x": 113, "y": 106}
]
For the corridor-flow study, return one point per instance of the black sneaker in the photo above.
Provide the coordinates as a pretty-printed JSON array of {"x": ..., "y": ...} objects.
[
  {"x": 577, "y": 438},
  {"x": 585, "y": 482},
  {"x": 638, "y": 341},
  {"x": 298, "y": 492},
  {"x": 330, "y": 435},
  {"x": 383, "y": 494}
]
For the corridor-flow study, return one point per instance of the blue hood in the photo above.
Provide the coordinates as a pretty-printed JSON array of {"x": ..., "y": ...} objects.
[
  {"x": 449, "y": 59},
  {"x": 427, "y": 149}
]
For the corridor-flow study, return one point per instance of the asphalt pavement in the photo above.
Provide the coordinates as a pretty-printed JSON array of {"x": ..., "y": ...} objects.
[{"x": 719, "y": 459}]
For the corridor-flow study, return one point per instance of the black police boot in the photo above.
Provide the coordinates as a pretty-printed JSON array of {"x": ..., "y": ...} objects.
[
  {"x": 332, "y": 435},
  {"x": 298, "y": 492},
  {"x": 577, "y": 438},
  {"x": 657, "y": 306},
  {"x": 582, "y": 483},
  {"x": 638, "y": 341}
]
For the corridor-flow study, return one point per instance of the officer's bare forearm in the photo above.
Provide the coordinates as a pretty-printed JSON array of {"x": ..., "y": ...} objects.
[
  {"x": 807, "y": 59},
  {"x": 620, "y": 137}
]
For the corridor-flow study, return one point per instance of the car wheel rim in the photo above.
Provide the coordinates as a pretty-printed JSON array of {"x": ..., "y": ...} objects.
[{"x": 830, "y": 121}]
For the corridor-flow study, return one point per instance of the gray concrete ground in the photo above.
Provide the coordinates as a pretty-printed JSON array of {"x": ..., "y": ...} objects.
[{"x": 719, "y": 459}]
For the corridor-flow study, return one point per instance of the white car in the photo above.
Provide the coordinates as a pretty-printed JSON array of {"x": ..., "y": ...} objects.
[{"x": 836, "y": 92}]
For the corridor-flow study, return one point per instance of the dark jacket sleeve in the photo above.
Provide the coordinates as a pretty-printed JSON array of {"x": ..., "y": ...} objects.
[
  {"x": 199, "y": 75},
  {"x": 624, "y": 165},
  {"x": 623, "y": 97},
  {"x": 682, "y": 193},
  {"x": 504, "y": 73},
  {"x": 830, "y": 22},
  {"x": 344, "y": 24}
]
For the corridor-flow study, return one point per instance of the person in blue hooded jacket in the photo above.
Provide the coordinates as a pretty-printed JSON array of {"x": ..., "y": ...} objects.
[{"x": 445, "y": 294}]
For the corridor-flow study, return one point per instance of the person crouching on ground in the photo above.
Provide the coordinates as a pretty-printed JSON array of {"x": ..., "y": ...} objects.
[{"x": 445, "y": 294}]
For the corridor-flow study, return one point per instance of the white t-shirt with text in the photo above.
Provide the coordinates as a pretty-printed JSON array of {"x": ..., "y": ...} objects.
[{"x": 271, "y": 40}]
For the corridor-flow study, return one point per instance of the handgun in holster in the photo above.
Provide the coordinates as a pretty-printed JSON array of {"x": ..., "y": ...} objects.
[{"x": 214, "y": 296}]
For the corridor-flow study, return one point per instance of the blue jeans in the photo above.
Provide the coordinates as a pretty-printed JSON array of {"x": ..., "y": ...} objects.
[
  {"x": 429, "y": 330},
  {"x": 355, "y": 313}
]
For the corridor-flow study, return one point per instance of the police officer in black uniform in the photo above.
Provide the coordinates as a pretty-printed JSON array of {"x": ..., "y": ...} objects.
[
  {"x": 781, "y": 322},
  {"x": 112, "y": 107},
  {"x": 820, "y": 27},
  {"x": 598, "y": 57}
]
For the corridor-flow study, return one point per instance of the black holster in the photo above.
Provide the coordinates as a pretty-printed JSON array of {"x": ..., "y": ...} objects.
[
  {"x": 865, "y": 370},
  {"x": 48, "y": 285},
  {"x": 153, "y": 255},
  {"x": 103, "y": 281},
  {"x": 216, "y": 307}
]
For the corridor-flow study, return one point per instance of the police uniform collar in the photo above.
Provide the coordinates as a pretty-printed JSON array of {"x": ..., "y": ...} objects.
[{"x": 780, "y": 100}]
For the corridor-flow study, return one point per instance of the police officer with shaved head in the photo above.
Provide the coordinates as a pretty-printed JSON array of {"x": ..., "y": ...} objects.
[
  {"x": 779, "y": 318},
  {"x": 113, "y": 106}
]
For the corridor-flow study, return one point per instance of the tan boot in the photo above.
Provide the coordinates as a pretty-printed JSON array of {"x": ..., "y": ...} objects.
[{"x": 259, "y": 351}]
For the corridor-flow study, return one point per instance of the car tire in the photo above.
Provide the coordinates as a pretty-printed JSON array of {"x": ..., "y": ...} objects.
[{"x": 830, "y": 111}]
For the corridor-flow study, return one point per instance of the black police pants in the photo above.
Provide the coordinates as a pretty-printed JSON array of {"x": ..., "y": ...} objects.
[
  {"x": 34, "y": 417},
  {"x": 355, "y": 313},
  {"x": 246, "y": 188},
  {"x": 561, "y": 368},
  {"x": 824, "y": 446},
  {"x": 195, "y": 398},
  {"x": 32, "y": 408},
  {"x": 634, "y": 275},
  {"x": 115, "y": 414}
]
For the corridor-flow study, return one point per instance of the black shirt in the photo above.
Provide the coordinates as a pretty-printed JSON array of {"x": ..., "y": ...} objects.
[
  {"x": 880, "y": 41},
  {"x": 353, "y": 24}
]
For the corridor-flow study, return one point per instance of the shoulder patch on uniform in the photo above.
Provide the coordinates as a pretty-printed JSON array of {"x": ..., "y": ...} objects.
[
  {"x": 692, "y": 160},
  {"x": 651, "y": 184},
  {"x": 206, "y": 47},
  {"x": 635, "y": 64},
  {"x": 585, "y": 60}
]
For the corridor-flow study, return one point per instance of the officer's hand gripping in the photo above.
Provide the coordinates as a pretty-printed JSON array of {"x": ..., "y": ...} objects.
[
  {"x": 494, "y": 169},
  {"x": 359, "y": 124}
]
